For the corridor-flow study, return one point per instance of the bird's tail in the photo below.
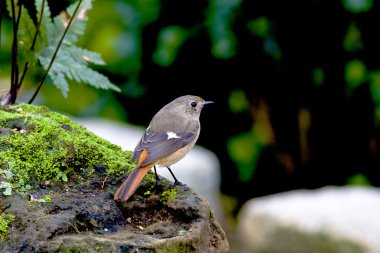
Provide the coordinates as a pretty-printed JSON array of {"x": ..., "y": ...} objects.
[{"x": 130, "y": 185}]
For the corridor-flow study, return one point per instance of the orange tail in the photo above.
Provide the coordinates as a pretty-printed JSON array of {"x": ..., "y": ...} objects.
[{"x": 130, "y": 185}]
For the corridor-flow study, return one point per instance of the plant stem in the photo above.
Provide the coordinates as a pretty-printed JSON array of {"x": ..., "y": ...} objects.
[
  {"x": 14, "y": 58},
  {"x": 26, "y": 66},
  {"x": 55, "y": 54},
  {"x": 38, "y": 25},
  {"x": 2, "y": 4}
]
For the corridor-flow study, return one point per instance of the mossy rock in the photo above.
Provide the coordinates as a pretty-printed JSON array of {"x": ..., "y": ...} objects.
[
  {"x": 79, "y": 172},
  {"x": 38, "y": 146}
]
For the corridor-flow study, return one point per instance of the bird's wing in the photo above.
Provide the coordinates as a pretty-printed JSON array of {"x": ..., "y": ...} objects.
[{"x": 160, "y": 144}]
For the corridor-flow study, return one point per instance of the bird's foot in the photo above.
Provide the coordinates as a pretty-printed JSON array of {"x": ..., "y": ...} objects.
[{"x": 178, "y": 183}]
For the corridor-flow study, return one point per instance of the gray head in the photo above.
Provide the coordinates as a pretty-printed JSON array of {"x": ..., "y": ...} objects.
[{"x": 190, "y": 105}]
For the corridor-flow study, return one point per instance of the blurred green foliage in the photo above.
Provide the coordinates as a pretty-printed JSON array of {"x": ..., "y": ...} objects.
[
  {"x": 238, "y": 101},
  {"x": 357, "y": 6},
  {"x": 375, "y": 92},
  {"x": 358, "y": 180},
  {"x": 352, "y": 41},
  {"x": 355, "y": 74},
  {"x": 244, "y": 150},
  {"x": 220, "y": 17},
  {"x": 168, "y": 43},
  {"x": 263, "y": 27},
  {"x": 260, "y": 27},
  {"x": 115, "y": 30},
  {"x": 318, "y": 76}
]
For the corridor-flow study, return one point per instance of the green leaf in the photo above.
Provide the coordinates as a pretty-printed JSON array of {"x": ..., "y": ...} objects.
[
  {"x": 85, "y": 55},
  {"x": 46, "y": 199},
  {"x": 26, "y": 32},
  {"x": 69, "y": 64},
  {"x": 58, "y": 69},
  {"x": 7, "y": 173},
  {"x": 62, "y": 176},
  {"x": 8, "y": 191},
  {"x": 8, "y": 188},
  {"x": 55, "y": 27},
  {"x": 71, "y": 61},
  {"x": 5, "y": 184},
  {"x": 8, "y": 3},
  {"x": 10, "y": 165},
  {"x": 93, "y": 78},
  {"x": 78, "y": 26}
]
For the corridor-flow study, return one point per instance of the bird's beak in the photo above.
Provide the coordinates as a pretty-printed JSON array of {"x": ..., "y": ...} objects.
[{"x": 207, "y": 102}]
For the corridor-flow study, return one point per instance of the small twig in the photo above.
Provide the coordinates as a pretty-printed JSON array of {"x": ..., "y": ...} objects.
[
  {"x": 17, "y": 25},
  {"x": 18, "y": 14},
  {"x": 55, "y": 54},
  {"x": 26, "y": 67},
  {"x": 104, "y": 181},
  {"x": 14, "y": 48},
  {"x": 38, "y": 25},
  {"x": 15, "y": 67}
]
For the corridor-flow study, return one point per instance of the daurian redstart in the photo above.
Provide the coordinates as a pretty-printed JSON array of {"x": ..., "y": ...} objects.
[{"x": 170, "y": 135}]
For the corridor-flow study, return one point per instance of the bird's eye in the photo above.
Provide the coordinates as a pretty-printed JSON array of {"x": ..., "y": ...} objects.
[{"x": 193, "y": 104}]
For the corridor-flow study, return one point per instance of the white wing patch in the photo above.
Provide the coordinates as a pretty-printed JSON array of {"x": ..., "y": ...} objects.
[{"x": 172, "y": 135}]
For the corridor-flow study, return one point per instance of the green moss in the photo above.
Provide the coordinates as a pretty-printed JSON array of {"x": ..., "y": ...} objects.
[
  {"x": 168, "y": 195},
  {"x": 5, "y": 220},
  {"x": 37, "y": 144}
]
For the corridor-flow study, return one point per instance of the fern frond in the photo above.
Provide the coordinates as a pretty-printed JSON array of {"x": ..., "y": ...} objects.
[
  {"x": 85, "y": 55},
  {"x": 79, "y": 26},
  {"x": 52, "y": 43},
  {"x": 71, "y": 61}
]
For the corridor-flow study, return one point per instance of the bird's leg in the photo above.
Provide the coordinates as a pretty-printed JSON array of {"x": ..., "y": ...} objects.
[
  {"x": 157, "y": 178},
  {"x": 176, "y": 182}
]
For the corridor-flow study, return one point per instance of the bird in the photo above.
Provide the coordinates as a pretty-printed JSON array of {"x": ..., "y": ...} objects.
[{"x": 171, "y": 134}]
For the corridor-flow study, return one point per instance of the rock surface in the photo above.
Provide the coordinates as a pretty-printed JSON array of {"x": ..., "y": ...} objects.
[
  {"x": 331, "y": 219},
  {"x": 84, "y": 218}
]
